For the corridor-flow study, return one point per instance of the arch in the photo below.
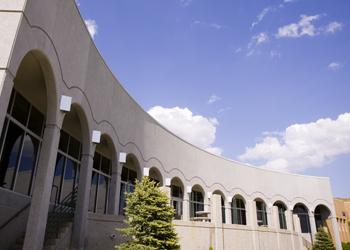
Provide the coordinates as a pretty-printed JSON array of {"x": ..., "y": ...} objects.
[
  {"x": 302, "y": 211},
  {"x": 155, "y": 175},
  {"x": 223, "y": 212},
  {"x": 176, "y": 196},
  {"x": 322, "y": 214},
  {"x": 282, "y": 208},
  {"x": 33, "y": 103},
  {"x": 196, "y": 200},
  {"x": 238, "y": 210},
  {"x": 261, "y": 212}
]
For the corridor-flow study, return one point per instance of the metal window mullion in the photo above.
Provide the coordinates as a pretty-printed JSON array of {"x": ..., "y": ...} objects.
[
  {"x": 68, "y": 156},
  {"x": 62, "y": 179},
  {"x": 23, "y": 127},
  {"x": 18, "y": 161},
  {"x": 5, "y": 136},
  {"x": 96, "y": 193}
]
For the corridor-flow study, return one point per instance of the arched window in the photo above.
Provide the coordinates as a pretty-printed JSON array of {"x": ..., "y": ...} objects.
[
  {"x": 155, "y": 176},
  {"x": 100, "y": 181},
  {"x": 281, "y": 214},
  {"x": 128, "y": 179},
  {"x": 177, "y": 197},
  {"x": 261, "y": 214},
  {"x": 67, "y": 168},
  {"x": 302, "y": 212},
  {"x": 322, "y": 213},
  {"x": 20, "y": 144},
  {"x": 238, "y": 211},
  {"x": 196, "y": 201}
]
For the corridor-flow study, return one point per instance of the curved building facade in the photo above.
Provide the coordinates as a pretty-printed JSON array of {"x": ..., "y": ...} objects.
[{"x": 70, "y": 132}]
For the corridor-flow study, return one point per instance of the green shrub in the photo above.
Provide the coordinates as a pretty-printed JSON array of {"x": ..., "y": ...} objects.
[
  {"x": 346, "y": 246},
  {"x": 323, "y": 241},
  {"x": 149, "y": 217}
]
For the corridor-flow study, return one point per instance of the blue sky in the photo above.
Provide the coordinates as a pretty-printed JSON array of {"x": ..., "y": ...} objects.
[{"x": 241, "y": 74}]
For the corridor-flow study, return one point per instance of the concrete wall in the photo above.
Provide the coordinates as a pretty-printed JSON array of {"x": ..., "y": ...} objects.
[{"x": 55, "y": 33}]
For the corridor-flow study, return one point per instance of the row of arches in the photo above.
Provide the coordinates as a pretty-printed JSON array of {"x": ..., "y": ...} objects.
[{"x": 31, "y": 108}]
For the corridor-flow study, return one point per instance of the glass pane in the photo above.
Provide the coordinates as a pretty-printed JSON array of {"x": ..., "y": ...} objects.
[
  {"x": 125, "y": 173},
  {"x": 106, "y": 166},
  {"x": 3, "y": 133},
  {"x": 102, "y": 194},
  {"x": 69, "y": 179},
  {"x": 10, "y": 155},
  {"x": 132, "y": 176},
  {"x": 97, "y": 161},
  {"x": 74, "y": 148},
  {"x": 93, "y": 191},
  {"x": 36, "y": 121},
  {"x": 57, "y": 179},
  {"x": 27, "y": 165},
  {"x": 11, "y": 100},
  {"x": 20, "y": 109},
  {"x": 63, "y": 145}
]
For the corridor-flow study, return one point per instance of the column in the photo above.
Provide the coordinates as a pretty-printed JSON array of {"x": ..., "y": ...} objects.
[
  {"x": 270, "y": 217},
  {"x": 252, "y": 220},
  {"x": 117, "y": 193},
  {"x": 36, "y": 225},
  {"x": 216, "y": 218},
  {"x": 82, "y": 206},
  {"x": 6, "y": 86},
  {"x": 289, "y": 220},
  {"x": 228, "y": 212},
  {"x": 337, "y": 240},
  {"x": 186, "y": 207},
  {"x": 113, "y": 195},
  {"x": 312, "y": 226},
  {"x": 297, "y": 229},
  {"x": 276, "y": 224}
]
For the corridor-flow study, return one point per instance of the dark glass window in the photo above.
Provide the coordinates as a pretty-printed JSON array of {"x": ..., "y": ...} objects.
[
  {"x": 238, "y": 212},
  {"x": 66, "y": 176},
  {"x": 20, "y": 145},
  {"x": 261, "y": 213},
  {"x": 177, "y": 200},
  {"x": 303, "y": 215},
  {"x": 196, "y": 203},
  {"x": 100, "y": 184},
  {"x": 128, "y": 178},
  {"x": 281, "y": 215}
]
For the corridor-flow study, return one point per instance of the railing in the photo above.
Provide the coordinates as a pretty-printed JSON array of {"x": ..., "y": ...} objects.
[{"x": 61, "y": 213}]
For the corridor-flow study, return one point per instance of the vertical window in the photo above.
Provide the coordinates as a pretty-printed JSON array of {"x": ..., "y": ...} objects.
[
  {"x": 127, "y": 185},
  {"x": 281, "y": 215},
  {"x": 238, "y": 212},
  {"x": 261, "y": 213},
  {"x": 177, "y": 200},
  {"x": 196, "y": 203},
  {"x": 101, "y": 178},
  {"x": 303, "y": 215},
  {"x": 20, "y": 143},
  {"x": 67, "y": 168}
]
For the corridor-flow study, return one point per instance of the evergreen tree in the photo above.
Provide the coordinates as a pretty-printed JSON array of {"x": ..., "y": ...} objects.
[
  {"x": 149, "y": 217},
  {"x": 323, "y": 241}
]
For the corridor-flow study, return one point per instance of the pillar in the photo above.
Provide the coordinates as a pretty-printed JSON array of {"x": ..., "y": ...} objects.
[
  {"x": 118, "y": 183},
  {"x": 337, "y": 240},
  {"x": 186, "y": 207},
  {"x": 36, "y": 225},
  {"x": 276, "y": 224},
  {"x": 6, "y": 86},
  {"x": 228, "y": 212},
  {"x": 289, "y": 220},
  {"x": 112, "y": 196},
  {"x": 82, "y": 206},
  {"x": 216, "y": 218},
  {"x": 252, "y": 220},
  {"x": 312, "y": 226},
  {"x": 297, "y": 229},
  {"x": 270, "y": 217}
]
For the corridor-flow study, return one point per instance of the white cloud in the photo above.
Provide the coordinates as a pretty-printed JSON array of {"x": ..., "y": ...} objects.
[
  {"x": 275, "y": 54},
  {"x": 255, "y": 41},
  {"x": 92, "y": 27},
  {"x": 196, "y": 129},
  {"x": 213, "y": 98},
  {"x": 304, "y": 27},
  {"x": 303, "y": 146},
  {"x": 238, "y": 50},
  {"x": 208, "y": 25},
  {"x": 216, "y": 26},
  {"x": 334, "y": 66},
  {"x": 185, "y": 3},
  {"x": 333, "y": 27},
  {"x": 262, "y": 15}
]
